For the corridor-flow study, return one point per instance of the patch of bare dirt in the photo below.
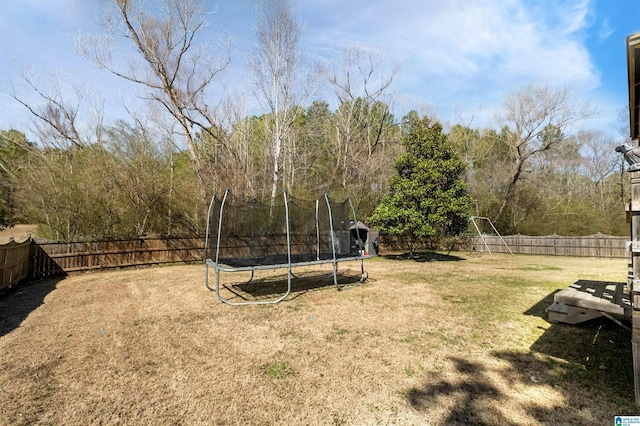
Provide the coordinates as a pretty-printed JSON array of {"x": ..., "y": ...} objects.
[{"x": 18, "y": 233}]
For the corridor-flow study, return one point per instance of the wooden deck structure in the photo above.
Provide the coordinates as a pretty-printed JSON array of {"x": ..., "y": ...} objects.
[{"x": 586, "y": 299}]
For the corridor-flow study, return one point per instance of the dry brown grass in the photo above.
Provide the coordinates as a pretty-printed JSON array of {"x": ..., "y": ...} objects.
[{"x": 445, "y": 340}]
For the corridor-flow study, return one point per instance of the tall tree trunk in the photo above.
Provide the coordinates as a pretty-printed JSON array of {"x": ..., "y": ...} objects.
[{"x": 511, "y": 190}]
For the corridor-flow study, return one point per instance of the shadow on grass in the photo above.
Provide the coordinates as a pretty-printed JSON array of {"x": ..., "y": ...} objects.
[
  {"x": 425, "y": 256},
  {"x": 590, "y": 365},
  {"x": 18, "y": 302},
  {"x": 540, "y": 309},
  {"x": 597, "y": 351},
  {"x": 470, "y": 388},
  {"x": 300, "y": 284},
  {"x": 599, "y": 344}
]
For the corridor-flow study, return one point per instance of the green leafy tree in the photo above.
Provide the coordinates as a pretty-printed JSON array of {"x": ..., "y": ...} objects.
[{"x": 428, "y": 196}]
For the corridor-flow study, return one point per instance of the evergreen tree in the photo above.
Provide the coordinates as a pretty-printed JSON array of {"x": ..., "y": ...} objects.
[{"x": 428, "y": 196}]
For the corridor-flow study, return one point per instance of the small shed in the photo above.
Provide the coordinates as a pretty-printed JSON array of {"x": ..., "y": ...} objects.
[{"x": 368, "y": 238}]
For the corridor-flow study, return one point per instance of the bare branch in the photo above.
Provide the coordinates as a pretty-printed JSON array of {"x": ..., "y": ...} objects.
[
  {"x": 280, "y": 80},
  {"x": 531, "y": 114},
  {"x": 175, "y": 71},
  {"x": 56, "y": 119}
]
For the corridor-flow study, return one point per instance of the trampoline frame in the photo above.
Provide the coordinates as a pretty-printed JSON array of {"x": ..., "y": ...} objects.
[{"x": 218, "y": 265}]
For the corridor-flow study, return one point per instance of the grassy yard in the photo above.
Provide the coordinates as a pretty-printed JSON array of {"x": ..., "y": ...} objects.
[{"x": 459, "y": 339}]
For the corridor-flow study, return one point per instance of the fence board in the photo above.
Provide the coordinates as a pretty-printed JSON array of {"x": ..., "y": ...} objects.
[{"x": 15, "y": 260}]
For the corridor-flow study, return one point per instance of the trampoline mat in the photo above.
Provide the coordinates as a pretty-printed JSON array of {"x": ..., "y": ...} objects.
[{"x": 282, "y": 259}]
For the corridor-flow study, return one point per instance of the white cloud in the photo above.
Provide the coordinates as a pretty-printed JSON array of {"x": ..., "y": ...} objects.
[
  {"x": 463, "y": 55},
  {"x": 459, "y": 52},
  {"x": 605, "y": 30}
]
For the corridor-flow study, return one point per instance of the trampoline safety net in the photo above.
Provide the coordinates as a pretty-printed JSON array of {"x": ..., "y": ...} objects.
[
  {"x": 254, "y": 233},
  {"x": 282, "y": 232}
]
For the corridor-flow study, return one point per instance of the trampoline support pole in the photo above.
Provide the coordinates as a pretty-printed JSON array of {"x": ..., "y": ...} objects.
[
  {"x": 206, "y": 243},
  {"x": 224, "y": 199},
  {"x": 289, "y": 266},
  {"x": 333, "y": 243},
  {"x": 286, "y": 214}
]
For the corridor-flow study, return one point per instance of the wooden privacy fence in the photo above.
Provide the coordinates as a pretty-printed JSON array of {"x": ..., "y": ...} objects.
[
  {"x": 34, "y": 259},
  {"x": 91, "y": 255},
  {"x": 599, "y": 245}
]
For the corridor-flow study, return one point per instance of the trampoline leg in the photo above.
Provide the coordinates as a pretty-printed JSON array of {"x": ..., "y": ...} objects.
[
  {"x": 218, "y": 284},
  {"x": 206, "y": 276},
  {"x": 253, "y": 302},
  {"x": 363, "y": 275},
  {"x": 335, "y": 275}
]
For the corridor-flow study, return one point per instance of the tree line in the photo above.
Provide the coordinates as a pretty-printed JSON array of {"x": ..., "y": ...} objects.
[{"x": 534, "y": 173}]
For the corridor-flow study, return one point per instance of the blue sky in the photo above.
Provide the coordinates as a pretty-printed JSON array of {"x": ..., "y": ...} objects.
[{"x": 458, "y": 58}]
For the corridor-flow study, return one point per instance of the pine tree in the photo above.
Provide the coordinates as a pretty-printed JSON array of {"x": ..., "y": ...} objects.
[{"x": 428, "y": 196}]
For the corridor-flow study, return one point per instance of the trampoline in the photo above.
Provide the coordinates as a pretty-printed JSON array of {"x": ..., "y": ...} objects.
[{"x": 281, "y": 233}]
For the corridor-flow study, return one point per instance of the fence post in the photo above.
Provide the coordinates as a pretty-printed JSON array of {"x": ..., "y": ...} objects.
[
  {"x": 600, "y": 250},
  {"x": 32, "y": 259}
]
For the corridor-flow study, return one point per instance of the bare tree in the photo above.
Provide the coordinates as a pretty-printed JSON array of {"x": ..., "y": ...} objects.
[
  {"x": 361, "y": 83},
  {"x": 241, "y": 134},
  {"x": 537, "y": 118},
  {"x": 281, "y": 80},
  {"x": 174, "y": 70},
  {"x": 56, "y": 114},
  {"x": 600, "y": 162},
  {"x": 363, "y": 123}
]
